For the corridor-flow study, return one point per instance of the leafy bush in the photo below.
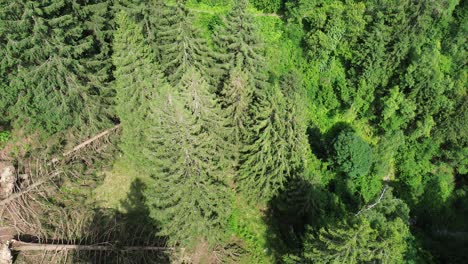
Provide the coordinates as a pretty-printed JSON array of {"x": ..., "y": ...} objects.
[
  {"x": 352, "y": 154},
  {"x": 268, "y": 6},
  {"x": 247, "y": 224},
  {"x": 4, "y": 136},
  {"x": 215, "y": 2}
]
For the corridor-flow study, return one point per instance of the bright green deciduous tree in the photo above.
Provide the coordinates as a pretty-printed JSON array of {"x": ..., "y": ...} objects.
[
  {"x": 352, "y": 154},
  {"x": 267, "y": 5}
]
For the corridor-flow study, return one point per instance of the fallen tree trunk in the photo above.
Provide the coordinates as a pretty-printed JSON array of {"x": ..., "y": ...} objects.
[
  {"x": 5, "y": 254},
  {"x": 55, "y": 160},
  {"x": 85, "y": 143},
  {"x": 7, "y": 179},
  {"x": 29, "y": 188},
  {"x": 91, "y": 140},
  {"x": 374, "y": 204},
  {"x": 21, "y": 246}
]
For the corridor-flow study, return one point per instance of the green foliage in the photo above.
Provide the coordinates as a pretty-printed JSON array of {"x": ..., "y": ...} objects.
[
  {"x": 357, "y": 243},
  {"x": 438, "y": 190},
  {"x": 56, "y": 55},
  {"x": 235, "y": 118},
  {"x": 189, "y": 196},
  {"x": 247, "y": 223},
  {"x": 180, "y": 45},
  {"x": 333, "y": 28},
  {"x": 238, "y": 45},
  {"x": 378, "y": 235},
  {"x": 352, "y": 154},
  {"x": 4, "y": 136},
  {"x": 268, "y": 6},
  {"x": 137, "y": 79},
  {"x": 236, "y": 100},
  {"x": 215, "y": 2},
  {"x": 275, "y": 147}
]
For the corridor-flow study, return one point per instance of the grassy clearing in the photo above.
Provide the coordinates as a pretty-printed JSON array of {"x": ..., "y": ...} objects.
[
  {"x": 247, "y": 223},
  {"x": 116, "y": 186}
]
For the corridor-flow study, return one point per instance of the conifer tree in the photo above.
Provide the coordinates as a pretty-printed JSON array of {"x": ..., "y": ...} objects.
[
  {"x": 148, "y": 14},
  {"x": 189, "y": 197},
  {"x": 379, "y": 234},
  {"x": 180, "y": 45},
  {"x": 241, "y": 78},
  {"x": 202, "y": 103},
  {"x": 357, "y": 243},
  {"x": 236, "y": 100},
  {"x": 55, "y": 56},
  {"x": 138, "y": 10},
  {"x": 137, "y": 81},
  {"x": 276, "y": 146},
  {"x": 238, "y": 45}
]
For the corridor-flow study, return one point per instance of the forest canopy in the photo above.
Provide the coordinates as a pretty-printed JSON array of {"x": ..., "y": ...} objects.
[{"x": 234, "y": 131}]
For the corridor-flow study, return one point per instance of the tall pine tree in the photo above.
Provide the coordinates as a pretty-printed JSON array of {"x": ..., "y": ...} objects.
[
  {"x": 276, "y": 147},
  {"x": 148, "y": 14},
  {"x": 238, "y": 45},
  {"x": 240, "y": 76},
  {"x": 55, "y": 57},
  {"x": 180, "y": 44},
  {"x": 138, "y": 81},
  {"x": 190, "y": 196},
  {"x": 236, "y": 100}
]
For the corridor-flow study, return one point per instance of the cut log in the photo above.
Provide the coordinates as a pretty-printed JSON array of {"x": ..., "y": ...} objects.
[
  {"x": 5, "y": 254},
  {"x": 9, "y": 196},
  {"x": 21, "y": 246},
  {"x": 6, "y": 234},
  {"x": 7, "y": 179}
]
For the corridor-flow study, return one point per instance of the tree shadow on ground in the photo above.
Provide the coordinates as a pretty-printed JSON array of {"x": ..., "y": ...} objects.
[
  {"x": 132, "y": 234},
  {"x": 299, "y": 205},
  {"x": 321, "y": 143}
]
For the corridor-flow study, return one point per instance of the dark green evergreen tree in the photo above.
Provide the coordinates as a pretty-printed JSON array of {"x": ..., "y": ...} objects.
[
  {"x": 56, "y": 59},
  {"x": 180, "y": 44},
  {"x": 241, "y": 78},
  {"x": 150, "y": 15},
  {"x": 138, "y": 81},
  {"x": 379, "y": 234},
  {"x": 357, "y": 243},
  {"x": 276, "y": 147},
  {"x": 238, "y": 44},
  {"x": 352, "y": 154},
  {"x": 189, "y": 196},
  {"x": 199, "y": 101},
  {"x": 236, "y": 101}
]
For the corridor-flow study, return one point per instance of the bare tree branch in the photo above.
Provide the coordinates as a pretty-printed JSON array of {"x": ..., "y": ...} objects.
[
  {"x": 86, "y": 143},
  {"x": 53, "y": 161},
  {"x": 374, "y": 204},
  {"x": 29, "y": 188}
]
